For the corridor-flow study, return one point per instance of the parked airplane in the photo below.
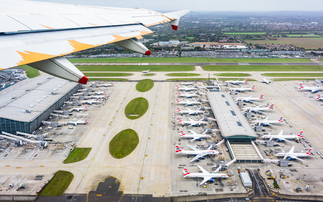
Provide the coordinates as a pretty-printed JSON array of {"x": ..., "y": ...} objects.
[
  {"x": 58, "y": 123},
  {"x": 68, "y": 29},
  {"x": 194, "y": 135},
  {"x": 237, "y": 82},
  {"x": 60, "y": 115},
  {"x": 187, "y": 95},
  {"x": 292, "y": 155},
  {"x": 258, "y": 109},
  {"x": 242, "y": 89},
  {"x": 313, "y": 89},
  {"x": 187, "y": 88},
  {"x": 90, "y": 102},
  {"x": 191, "y": 122},
  {"x": 250, "y": 99},
  {"x": 79, "y": 109},
  {"x": 106, "y": 84},
  {"x": 75, "y": 123},
  {"x": 145, "y": 71},
  {"x": 188, "y": 103},
  {"x": 99, "y": 96},
  {"x": 207, "y": 176},
  {"x": 189, "y": 111},
  {"x": 98, "y": 93},
  {"x": 264, "y": 80},
  {"x": 186, "y": 83},
  {"x": 281, "y": 137},
  {"x": 199, "y": 154},
  {"x": 319, "y": 97},
  {"x": 267, "y": 122}
]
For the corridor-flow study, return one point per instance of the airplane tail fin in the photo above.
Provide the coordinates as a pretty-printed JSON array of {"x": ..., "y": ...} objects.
[
  {"x": 182, "y": 134},
  {"x": 86, "y": 121},
  {"x": 300, "y": 134},
  {"x": 271, "y": 106},
  {"x": 85, "y": 107},
  {"x": 246, "y": 80},
  {"x": 178, "y": 110},
  {"x": 186, "y": 172},
  {"x": 261, "y": 97},
  {"x": 253, "y": 87},
  {"x": 179, "y": 120},
  {"x": 281, "y": 119},
  {"x": 179, "y": 93},
  {"x": 300, "y": 85},
  {"x": 178, "y": 149},
  {"x": 318, "y": 96},
  {"x": 309, "y": 152}
]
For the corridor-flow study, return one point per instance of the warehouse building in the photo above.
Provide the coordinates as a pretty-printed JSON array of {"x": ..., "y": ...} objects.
[{"x": 24, "y": 105}]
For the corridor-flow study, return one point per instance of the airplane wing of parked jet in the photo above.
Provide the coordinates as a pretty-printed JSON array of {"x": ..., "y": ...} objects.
[
  {"x": 197, "y": 157},
  {"x": 39, "y": 34},
  {"x": 193, "y": 148}
]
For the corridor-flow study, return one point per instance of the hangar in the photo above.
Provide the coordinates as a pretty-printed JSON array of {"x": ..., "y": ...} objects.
[{"x": 24, "y": 105}]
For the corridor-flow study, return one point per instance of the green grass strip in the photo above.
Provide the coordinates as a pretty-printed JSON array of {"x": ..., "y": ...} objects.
[
  {"x": 107, "y": 79},
  {"x": 148, "y": 74},
  {"x": 123, "y": 143},
  {"x": 137, "y": 68},
  {"x": 232, "y": 74},
  {"x": 293, "y": 74},
  {"x": 293, "y": 79},
  {"x": 182, "y": 74},
  {"x": 188, "y": 60},
  {"x": 262, "y": 68},
  {"x": 108, "y": 74},
  {"x": 31, "y": 72},
  {"x": 137, "y": 107},
  {"x": 58, "y": 184},
  {"x": 144, "y": 85},
  {"x": 78, "y": 154}
]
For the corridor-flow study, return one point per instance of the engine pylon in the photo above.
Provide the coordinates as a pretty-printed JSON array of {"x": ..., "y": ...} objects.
[{"x": 134, "y": 45}]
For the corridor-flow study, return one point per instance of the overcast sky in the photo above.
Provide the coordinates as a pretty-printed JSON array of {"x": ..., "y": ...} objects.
[{"x": 207, "y": 5}]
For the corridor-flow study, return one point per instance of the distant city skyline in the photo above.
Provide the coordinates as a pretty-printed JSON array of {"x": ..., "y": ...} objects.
[{"x": 207, "y": 5}]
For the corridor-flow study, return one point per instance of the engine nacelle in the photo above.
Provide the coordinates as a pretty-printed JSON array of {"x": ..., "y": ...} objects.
[
  {"x": 279, "y": 140},
  {"x": 203, "y": 158},
  {"x": 211, "y": 180},
  {"x": 197, "y": 160}
]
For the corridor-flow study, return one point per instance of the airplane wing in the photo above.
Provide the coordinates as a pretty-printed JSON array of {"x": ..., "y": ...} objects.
[
  {"x": 193, "y": 148},
  {"x": 197, "y": 157},
  {"x": 190, "y": 119},
  {"x": 202, "y": 169},
  {"x": 195, "y": 138},
  {"x": 40, "y": 33},
  {"x": 205, "y": 180},
  {"x": 218, "y": 169},
  {"x": 194, "y": 133}
]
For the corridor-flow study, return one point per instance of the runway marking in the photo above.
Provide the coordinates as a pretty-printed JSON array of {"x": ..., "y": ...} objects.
[{"x": 21, "y": 152}]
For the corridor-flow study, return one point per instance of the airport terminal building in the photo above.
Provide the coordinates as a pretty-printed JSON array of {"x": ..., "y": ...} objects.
[{"x": 26, "y": 104}]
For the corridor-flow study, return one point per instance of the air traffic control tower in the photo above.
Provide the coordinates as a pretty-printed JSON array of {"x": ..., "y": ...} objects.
[
  {"x": 26, "y": 104},
  {"x": 234, "y": 127}
]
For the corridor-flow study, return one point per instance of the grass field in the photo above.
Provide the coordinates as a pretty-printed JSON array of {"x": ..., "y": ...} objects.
[
  {"x": 308, "y": 43},
  {"x": 293, "y": 79},
  {"x": 189, "y": 79},
  {"x": 180, "y": 60},
  {"x": 78, "y": 154},
  {"x": 144, "y": 85},
  {"x": 262, "y": 68},
  {"x": 123, "y": 143},
  {"x": 303, "y": 36},
  {"x": 294, "y": 74},
  {"x": 108, "y": 74},
  {"x": 139, "y": 68},
  {"x": 245, "y": 33},
  {"x": 107, "y": 79},
  {"x": 232, "y": 74},
  {"x": 148, "y": 74},
  {"x": 58, "y": 184},
  {"x": 137, "y": 106},
  {"x": 182, "y": 74},
  {"x": 31, "y": 72}
]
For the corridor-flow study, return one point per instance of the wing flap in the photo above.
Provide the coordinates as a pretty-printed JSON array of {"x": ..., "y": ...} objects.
[{"x": 58, "y": 43}]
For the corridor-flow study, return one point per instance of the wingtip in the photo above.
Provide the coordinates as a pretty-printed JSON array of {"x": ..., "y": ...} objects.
[
  {"x": 174, "y": 27},
  {"x": 83, "y": 80},
  {"x": 148, "y": 52}
]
